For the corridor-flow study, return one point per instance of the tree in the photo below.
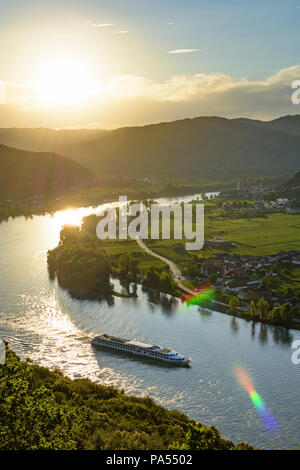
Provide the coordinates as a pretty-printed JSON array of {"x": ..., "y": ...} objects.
[
  {"x": 213, "y": 277},
  {"x": 274, "y": 314},
  {"x": 287, "y": 290},
  {"x": 124, "y": 264},
  {"x": 233, "y": 303},
  {"x": 80, "y": 266},
  {"x": 263, "y": 308},
  {"x": 166, "y": 282},
  {"x": 285, "y": 311},
  {"x": 253, "y": 308},
  {"x": 69, "y": 232},
  {"x": 152, "y": 278},
  {"x": 266, "y": 282},
  {"x": 218, "y": 203},
  {"x": 89, "y": 224},
  {"x": 200, "y": 437},
  {"x": 31, "y": 418}
]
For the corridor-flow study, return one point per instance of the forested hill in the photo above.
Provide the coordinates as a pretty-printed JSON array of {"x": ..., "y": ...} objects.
[
  {"x": 200, "y": 146},
  {"x": 293, "y": 182},
  {"x": 43, "y": 409},
  {"x": 23, "y": 173},
  {"x": 291, "y": 187},
  {"x": 286, "y": 124}
]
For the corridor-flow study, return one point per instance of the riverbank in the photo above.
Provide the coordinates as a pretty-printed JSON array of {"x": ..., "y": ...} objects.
[
  {"x": 65, "y": 414},
  {"x": 41, "y": 204},
  {"x": 224, "y": 308}
]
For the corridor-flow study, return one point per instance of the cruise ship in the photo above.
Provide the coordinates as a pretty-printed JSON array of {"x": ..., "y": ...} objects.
[{"x": 144, "y": 350}]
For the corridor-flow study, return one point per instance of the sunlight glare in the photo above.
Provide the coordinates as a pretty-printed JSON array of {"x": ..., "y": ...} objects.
[
  {"x": 64, "y": 81},
  {"x": 71, "y": 216}
]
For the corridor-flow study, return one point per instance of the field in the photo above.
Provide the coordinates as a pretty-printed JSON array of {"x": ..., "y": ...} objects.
[
  {"x": 118, "y": 247},
  {"x": 256, "y": 235},
  {"x": 250, "y": 233}
]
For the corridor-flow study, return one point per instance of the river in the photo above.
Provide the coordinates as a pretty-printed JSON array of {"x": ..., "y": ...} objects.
[{"x": 41, "y": 321}]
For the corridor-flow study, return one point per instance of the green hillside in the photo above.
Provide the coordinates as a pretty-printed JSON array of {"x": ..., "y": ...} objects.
[
  {"x": 291, "y": 188},
  {"x": 293, "y": 182},
  {"x": 41, "y": 409},
  {"x": 24, "y": 173},
  {"x": 208, "y": 146},
  {"x": 286, "y": 124}
]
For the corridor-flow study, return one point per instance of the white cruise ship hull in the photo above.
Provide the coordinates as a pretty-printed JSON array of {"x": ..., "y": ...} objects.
[{"x": 153, "y": 353}]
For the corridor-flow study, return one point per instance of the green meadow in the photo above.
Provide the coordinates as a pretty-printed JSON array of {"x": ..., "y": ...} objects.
[
  {"x": 115, "y": 248},
  {"x": 254, "y": 235},
  {"x": 251, "y": 234}
]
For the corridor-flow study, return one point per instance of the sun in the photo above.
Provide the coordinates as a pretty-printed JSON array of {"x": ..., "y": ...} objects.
[{"x": 63, "y": 81}]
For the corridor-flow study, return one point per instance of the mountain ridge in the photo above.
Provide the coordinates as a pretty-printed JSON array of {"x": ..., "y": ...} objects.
[
  {"x": 190, "y": 146},
  {"x": 24, "y": 173}
]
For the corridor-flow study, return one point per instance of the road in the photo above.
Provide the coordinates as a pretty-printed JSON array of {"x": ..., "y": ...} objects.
[{"x": 177, "y": 275}]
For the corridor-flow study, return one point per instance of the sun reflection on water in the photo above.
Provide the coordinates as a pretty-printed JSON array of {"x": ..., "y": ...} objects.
[
  {"x": 74, "y": 216},
  {"x": 71, "y": 216}
]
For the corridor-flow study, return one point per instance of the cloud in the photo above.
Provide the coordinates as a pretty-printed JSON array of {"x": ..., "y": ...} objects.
[
  {"x": 122, "y": 31},
  {"x": 92, "y": 24},
  {"x": 189, "y": 87},
  {"x": 169, "y": 22},
  {"x": 82, "y": 21},
  {"x": 137, "y": 99},
  {"x": 184, "y": 51},
  {"x": 102, "y": 25}
]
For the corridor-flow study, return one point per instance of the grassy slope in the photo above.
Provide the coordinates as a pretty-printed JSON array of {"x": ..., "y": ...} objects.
[{"x": 42, "y": 409}]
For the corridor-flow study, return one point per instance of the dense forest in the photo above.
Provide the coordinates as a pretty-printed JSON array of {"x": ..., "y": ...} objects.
[
  {"x": 80, "y": 264},
  {"x": 43, "y": 409}
]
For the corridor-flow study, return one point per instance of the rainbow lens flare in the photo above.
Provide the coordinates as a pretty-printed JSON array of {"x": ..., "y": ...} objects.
[
  {"x": 267, "y": 418},
  {"x": 203, "y": 295}
]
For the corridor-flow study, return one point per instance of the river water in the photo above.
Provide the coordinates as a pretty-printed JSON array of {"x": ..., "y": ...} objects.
[{"x": 41, "y": 321}]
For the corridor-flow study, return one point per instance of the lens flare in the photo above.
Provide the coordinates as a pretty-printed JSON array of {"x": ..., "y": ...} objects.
[
  {"x": 267, "y": 418},
  {"x": 203, "y": 295}
]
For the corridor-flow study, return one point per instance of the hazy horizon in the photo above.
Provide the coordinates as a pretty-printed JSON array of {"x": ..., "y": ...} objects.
[{"x": 112, "y": 128}]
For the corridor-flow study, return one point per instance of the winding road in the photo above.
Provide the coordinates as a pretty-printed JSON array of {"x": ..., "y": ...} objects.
[{"x": 178, "y": 277}]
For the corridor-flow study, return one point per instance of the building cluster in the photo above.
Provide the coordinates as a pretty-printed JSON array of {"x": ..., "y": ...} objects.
[
  {"x": 241, "y": 275},
  {"x": 279, "y": 203},
  {"x": 247, "y": 191}
]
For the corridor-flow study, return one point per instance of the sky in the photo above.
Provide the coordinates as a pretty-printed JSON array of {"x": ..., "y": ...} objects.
[{"x": 113, "y": 63}]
